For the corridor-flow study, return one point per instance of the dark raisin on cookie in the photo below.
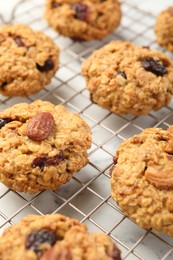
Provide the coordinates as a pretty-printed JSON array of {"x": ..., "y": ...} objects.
[
  {"x": 121, "y": 73},
  {"x": 19, "y": 42},
  {"x": 146, "y": 47},
  {"x": 91, "y": 98},
  {"x": 116, "y": 254},
  {"x": 154, "y": 66},
  {"x": 54, "y": 4},
  {"x": 77, "y": 39},
  {"x": 61, "y": 254},
  {"x": 38, "y": 237},
  {"x": 81, "y": 11},
  {"x": 4, "y": 122},
  {"x": 43, "y": 161},
  {"x": 57, "y": 159},
  {"x": 115, "y": 160},
  {"x": 3, "y": 85},
  {"x": 40, "y": 162},
  {"x": 48, "y": 65}
]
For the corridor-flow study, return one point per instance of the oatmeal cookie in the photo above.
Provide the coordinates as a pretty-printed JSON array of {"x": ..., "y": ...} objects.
[
  {"x": 164, "y": 28},
  {"x": 28, "y": 60},
  {"x": 41, "y": 146},
  {"x": 83, "y": 19},
  {"x": 126, "y": 78},
  {"x": 142, "y": 179},
  {"x": 55, "y": 237}
]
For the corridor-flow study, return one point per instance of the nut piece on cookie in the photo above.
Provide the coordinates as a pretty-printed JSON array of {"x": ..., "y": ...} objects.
[
  {"x": 55, "y": 237},
  {"x": 28, "y": 60},
  {"x": 83, "y": 20},
  {"x": 128, "y": 79},
  {"x": 41, "y": 146},
  {"x": 164, "y": 28},
  {"x": 142, "y": 179}
]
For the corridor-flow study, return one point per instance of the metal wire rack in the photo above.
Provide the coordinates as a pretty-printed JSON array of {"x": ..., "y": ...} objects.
[{"x": 87, "y": 196}]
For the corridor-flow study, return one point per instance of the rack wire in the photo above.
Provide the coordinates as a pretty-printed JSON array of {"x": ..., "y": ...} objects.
[{"x": 87, "y": 196}]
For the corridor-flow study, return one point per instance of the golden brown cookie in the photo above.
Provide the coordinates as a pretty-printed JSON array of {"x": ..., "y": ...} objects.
[
  {"x": 164, "y": 28},
  {"x": 83, "y": 19},
  {"x": 142, "y": 179},
  {"x": 55, "y": 237},
  {"x": 28, "y": 60},
  {"x": 126, "y": 78},
  {"x": 41, "y": 146}
]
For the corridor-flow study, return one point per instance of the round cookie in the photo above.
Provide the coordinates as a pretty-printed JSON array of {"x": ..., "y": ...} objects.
[
  {"x": 55, "y": 237},
  {"x": 41, "y": 146},
  {"x": 28, "y": 60},
  {"x": 83, "y": 19},
  {"x": 164, "y": 28},
  {"x": 142, "y": 179},
  {"x": 125, "y": 78}
]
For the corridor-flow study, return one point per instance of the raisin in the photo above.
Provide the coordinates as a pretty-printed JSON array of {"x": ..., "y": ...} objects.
[
  {"x": 77, "y": 39},
  {"x": 154, "y": 66},
  {"x": 121, "y": 73},
  {"x": 48, "y": 161},
  {"x": 4, "y": 84},
  {"x": 62, "y": 253},
  {"x": 38, "y": 237},
  {"x": 40, "y": 162},
  {"x": 82, "y": 11},
  {"x": 56, "y": 159},
  {"x": 4, "y": 122},
  {"x": 19, "y": 42},
  {"x": 116, "y": 254},
  {"x": 115, "y": 159},
  {"x": 55, "y": 4},
  {"x": 146, "y": 47},
  {"x": 48, "y": 65},
  {"x": 91, "y": 98}
]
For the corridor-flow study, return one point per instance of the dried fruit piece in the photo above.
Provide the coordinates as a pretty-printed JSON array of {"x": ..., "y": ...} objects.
[
  {"x": 154, "y": 66},
  {"x": 48, "y": 161},
  {"x": 116, "y": 254},
  {"x": 4, "y": 84},
  {"x": 146, "y": 47},
  {"x": 19, "y": 42},
  {"x": 54, "y": 4},
  {"x": 121, "y": 73},
  {"x": 40, "y": 162},
  {"x": 48, "y": 65},
  {"x": 38, "y": 237},
  {"x": 115, "y": 159},
  {"x": 61, "y": 253},
  {"x": 4, "y": 122},
  {"x": 91, "y": 98},
  {"x": 40, "y": 126},
  {"x": 82, "y": 11}
]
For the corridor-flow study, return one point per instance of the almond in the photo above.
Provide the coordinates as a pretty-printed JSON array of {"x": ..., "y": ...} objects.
[
  {"x": 40, "y": 126},
  {"x": 161, "y": 176}
]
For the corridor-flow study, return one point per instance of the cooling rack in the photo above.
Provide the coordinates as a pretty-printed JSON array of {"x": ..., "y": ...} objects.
[{"x": 87, "y": 196}]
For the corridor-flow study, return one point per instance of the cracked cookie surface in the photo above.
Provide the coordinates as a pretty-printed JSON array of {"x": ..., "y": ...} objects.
[
  {"x": 28, "y": 60},
  {"x": 83, "y": 19},
  {"x": 142, "y": 179},
  {"x": 55, "y": 237},
  {"x": 30, "y": 164},
  {"x": 164, "y": 28},
  {"x": 125, "y": 78}
]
